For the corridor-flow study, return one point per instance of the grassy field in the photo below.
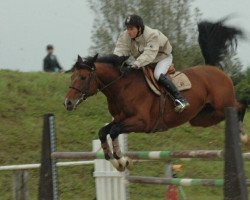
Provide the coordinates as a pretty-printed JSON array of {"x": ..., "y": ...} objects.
[{"x": 26, "y": 97}]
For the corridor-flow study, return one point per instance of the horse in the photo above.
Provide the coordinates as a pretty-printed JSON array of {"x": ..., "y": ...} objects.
[{"x": 135, "y": 108}]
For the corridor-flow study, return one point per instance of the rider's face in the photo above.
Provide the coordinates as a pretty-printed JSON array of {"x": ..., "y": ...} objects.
[{"x": 132, "y": 31}]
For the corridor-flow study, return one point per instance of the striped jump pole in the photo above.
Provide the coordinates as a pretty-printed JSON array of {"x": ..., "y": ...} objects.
[
  {"x": 177, "y": 181},
  {"x": 149, "y": 155}
]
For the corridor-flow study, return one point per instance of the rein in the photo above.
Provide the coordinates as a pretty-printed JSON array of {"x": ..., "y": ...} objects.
[
  {"x": 112, "y": 82},
  {"x": 109, "y": 84}
]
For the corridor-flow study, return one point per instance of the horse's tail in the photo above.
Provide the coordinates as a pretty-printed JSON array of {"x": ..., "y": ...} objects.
[
  {"x": 243, "y": 107},
  {"x": 216, "y": 40}
]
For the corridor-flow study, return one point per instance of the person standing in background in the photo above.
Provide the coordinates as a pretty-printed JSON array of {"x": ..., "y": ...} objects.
[{"x": 50, "y": 63}]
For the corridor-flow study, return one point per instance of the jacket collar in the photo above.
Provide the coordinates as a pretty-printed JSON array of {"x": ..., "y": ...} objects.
[{"x": 139, "y": 38}]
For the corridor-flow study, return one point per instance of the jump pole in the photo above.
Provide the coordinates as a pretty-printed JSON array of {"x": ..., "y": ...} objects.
[{"x": 149, "y": 155}]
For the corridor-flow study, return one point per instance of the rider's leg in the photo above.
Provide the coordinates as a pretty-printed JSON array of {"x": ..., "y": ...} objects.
[
  {"x": 163, "y": 66},
  {"x": 159, "y": 73}
]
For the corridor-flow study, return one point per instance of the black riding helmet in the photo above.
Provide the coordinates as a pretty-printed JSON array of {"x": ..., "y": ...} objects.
[{"x": 134, "y": 20}]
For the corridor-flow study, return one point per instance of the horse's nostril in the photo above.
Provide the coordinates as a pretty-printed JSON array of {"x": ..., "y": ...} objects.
[{"x": 69, "y": 103}]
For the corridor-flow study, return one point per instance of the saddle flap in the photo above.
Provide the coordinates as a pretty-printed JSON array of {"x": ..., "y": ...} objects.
[{"x": 180, "y": 80}]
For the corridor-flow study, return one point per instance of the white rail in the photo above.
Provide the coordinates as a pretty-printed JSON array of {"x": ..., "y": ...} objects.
[{"x": 35, "y": 166}]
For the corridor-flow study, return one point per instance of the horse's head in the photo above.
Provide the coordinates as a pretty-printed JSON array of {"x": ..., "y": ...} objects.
[{"x": 83, "y": 82}]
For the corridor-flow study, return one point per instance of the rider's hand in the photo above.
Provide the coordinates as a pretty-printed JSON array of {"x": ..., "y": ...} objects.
[{"x": 134, "y": 67}]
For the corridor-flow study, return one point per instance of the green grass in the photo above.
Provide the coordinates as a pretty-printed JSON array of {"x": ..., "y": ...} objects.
[{"x": 26, "y": 97}]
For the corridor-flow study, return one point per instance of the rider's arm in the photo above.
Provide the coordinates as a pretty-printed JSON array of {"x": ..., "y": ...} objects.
[
  {"x": 150, "y": 51},
  {"x": 122, "y": 48}
]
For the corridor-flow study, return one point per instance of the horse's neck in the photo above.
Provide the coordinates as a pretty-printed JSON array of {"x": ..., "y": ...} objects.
[
  {"x": 107, "y": 76},
  {"x": 112, "y": 82},
  {"x": 106, "y": 73}
]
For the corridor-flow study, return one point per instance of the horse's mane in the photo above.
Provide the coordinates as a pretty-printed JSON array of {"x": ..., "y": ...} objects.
[{"x": 112, "y": 59}]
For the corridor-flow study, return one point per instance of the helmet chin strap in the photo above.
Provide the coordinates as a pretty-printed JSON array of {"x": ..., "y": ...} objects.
[{"x": 139, "y": 33}]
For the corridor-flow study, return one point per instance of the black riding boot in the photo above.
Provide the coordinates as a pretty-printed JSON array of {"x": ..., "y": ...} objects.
[{"x": 180, "y": 101}]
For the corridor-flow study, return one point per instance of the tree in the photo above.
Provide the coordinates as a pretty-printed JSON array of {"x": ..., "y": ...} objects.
[
  {"x": 172, "y": 17},
  {"x": 243, "y": 86},
  {"x": 233, "y": 67}
]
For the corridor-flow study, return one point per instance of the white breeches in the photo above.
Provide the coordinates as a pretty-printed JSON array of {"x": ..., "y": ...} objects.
[{"x": 163, "y": 66}]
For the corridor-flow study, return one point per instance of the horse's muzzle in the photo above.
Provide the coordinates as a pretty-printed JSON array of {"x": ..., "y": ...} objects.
[{"x": 69, "y": 104}]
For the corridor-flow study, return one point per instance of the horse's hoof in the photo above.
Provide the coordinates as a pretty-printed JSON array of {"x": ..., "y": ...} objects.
[
  {"x": 129, "y": 164},
  {"x": 244, "y": 139},
  {"x": 122, "y": 161},
  {"x": 248, "y": 144},
  {"x": 121, "y": 168},
  {"x": 115, "y": 163}
]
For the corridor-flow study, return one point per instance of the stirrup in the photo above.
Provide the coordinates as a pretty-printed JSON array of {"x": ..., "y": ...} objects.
[{"x": 181, "y": 105}]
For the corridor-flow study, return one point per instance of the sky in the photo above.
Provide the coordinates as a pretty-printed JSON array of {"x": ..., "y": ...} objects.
[
  {"x": 27, "y": 26},
  {"x": 239, "y": 9}
]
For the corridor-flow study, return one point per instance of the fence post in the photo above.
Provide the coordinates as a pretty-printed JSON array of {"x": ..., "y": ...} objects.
[
  {"x": 20, "y": 185},
  {"x": 48, "y": 172},
  {"x": 234, "y": 176}
]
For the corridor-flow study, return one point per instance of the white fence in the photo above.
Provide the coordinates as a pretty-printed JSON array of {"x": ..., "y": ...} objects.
[
  {"x": 38, "y": 165},
  {"x": 110, "y": 184}
]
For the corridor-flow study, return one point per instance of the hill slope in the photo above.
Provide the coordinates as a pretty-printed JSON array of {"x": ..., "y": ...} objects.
[{"x": 26, "y": 97}]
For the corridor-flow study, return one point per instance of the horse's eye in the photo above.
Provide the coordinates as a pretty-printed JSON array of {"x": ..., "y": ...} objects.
[{"x": 82, "y": 78}]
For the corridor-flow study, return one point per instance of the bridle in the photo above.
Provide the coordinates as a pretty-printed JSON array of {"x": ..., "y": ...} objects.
[{"x": 84, "y": 93}]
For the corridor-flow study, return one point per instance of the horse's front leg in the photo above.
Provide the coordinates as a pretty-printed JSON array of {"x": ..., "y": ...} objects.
[
  {"x": 104, "y": 131},
  {"x": 115, "y": 131}
]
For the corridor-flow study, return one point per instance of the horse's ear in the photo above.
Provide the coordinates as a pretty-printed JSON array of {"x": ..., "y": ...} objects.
[
  {"x": 79, "y": 59},
  {"x": 95, "y": 57}
]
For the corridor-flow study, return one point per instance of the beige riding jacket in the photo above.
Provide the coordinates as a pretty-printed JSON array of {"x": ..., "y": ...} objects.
[{"x": 150, "y": 47}]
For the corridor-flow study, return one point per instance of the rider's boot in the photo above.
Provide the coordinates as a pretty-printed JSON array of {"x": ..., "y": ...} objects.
[{"x": 180, "y": 102}]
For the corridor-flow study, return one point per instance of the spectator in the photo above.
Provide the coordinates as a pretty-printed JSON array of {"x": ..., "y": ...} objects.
[{"x": 50, "y": 63}]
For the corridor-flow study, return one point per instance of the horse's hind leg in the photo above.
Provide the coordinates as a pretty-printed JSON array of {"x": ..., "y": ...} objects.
[
  {"x": 208, "y": 116},
  {"x": 241, "y": 107}
]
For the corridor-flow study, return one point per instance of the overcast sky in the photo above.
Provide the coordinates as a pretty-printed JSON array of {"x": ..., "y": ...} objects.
[{"x": 27, "y": 26}]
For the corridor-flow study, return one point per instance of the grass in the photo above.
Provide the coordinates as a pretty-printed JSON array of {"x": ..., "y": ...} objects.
[{"x": 26, "y": 97}]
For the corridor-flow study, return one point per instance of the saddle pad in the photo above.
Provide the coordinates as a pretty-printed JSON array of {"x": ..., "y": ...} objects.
[{"x": 180, "y": 80}]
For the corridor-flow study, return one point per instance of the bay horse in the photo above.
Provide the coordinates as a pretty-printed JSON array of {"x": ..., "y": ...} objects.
[{"x": 135, "y": 108}]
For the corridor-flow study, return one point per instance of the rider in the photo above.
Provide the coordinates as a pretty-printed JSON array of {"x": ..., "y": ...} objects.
[{"x": 147, "y": 46}]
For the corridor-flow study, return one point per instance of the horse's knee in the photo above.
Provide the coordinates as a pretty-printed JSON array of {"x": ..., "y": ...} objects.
[
  {"x": 115, "y": 130},
  {"x": 103, "y": 132}
]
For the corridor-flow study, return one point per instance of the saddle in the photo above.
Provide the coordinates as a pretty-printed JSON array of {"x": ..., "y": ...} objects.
[{"x": 180, "y": 80}]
